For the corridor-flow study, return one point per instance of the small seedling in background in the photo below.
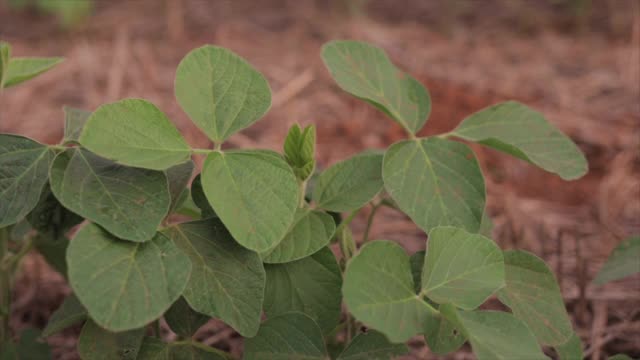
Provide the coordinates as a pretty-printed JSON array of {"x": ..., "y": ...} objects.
[{"x": 256, "y": 245}]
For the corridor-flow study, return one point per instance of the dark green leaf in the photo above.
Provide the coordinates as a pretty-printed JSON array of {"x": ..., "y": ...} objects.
[
  {"x": 519, "y": 131},
  {"x": 178, "y": 177},
  {"x": 50, "y": 217},
  {"x": 299, "y": 150},
  {"x": 350, "y": 184},
  {"x": 29, "y": 347},
  {"x": 220, "y": 91},
  {"x": 227, "y": 280},
  {"x": 534, "y": 296},
  {"x": 288, "y": 336},
  {"x": 68, "y": 314},
  {"x": 366, "y": 72},
  {"x": 255, "y": 194},
  {"x": 125, "y": 285},
  {"x": 155, "y": 349},
  {"x": 436, "y": 182},
  {"x": 311, "y": 231},
  {"x": 96, "y": 343},
  {"x": 24, "y": 168},
  {"x": 372, "y": 345},
  {"x": 197, "y": 194},
  {"x": 623, "y": 261},
  {"x": 128, "y": 202},
  {"x": 310, "y": 286},
  {"x": 74, "y": 120},
  {"x": 417, "y": 264},
  {"x": 135, "y": 132},
  {"x": 23, "y": 69},
  {"x": 183, "y": 320},
  {"x": 54, "y": 251}
]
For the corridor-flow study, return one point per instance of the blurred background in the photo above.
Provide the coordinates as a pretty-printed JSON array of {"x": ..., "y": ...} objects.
[{"x": 577, "y": 61}]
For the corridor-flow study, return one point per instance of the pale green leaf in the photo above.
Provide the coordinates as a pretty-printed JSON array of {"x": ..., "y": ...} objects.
[
  {"x": 183, "y": 320},
  {"x": 311, "y": 231},
  {"x": 461, "y": 268},
  {"x": 68, "y": 314},
  {"x": 220, "y": 91},
  {"x": 522, "y": 132},
  {"x": 135, "y": 132},
  {"x": 125, "y": 285},
  {"x": 436, "y": 182},
  {"x": 571, "y": 350},
  {"x": 74, "y": 121},
  {"x": 96, "y": 343},
  {"x": 154, "y": 349},
  {"x": 227, "y": 280},
  {"x": 379, "y": 291},
  {"x": 299, "y": 150},
  {"x": 255, "y": 194},
  {"x": 128, "y": 202},
  {"x": 288, "y": 336},
  {"x": 22, "y": 69},
  {"x": 5, "y": 54},
  {"x": 178, "y": 177},
  {"x": 442, "y": 335},
  {"x": 310, "y": 286},
  {"x": 534, "y": 297},
  {"x": 366, "y": 72},
  {"x": 486, "y": 225},
  {"x": 349, "y": 184},
  {"x": 496, "y": 335},
  {"x": 624, "y": 261},
  {"x": 372, "y": 345},
  {"x": 24, "y": 168}
]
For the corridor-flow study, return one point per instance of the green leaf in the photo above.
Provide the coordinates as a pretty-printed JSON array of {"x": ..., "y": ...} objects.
[
  {"x": 29, "y": 347},
  {"x": 495, "y": 335},
  {"x": 54, "y": 251},
  {"x": 23, "y": 69},
  {"x": 378, "y": 290},
  {"x": 310, "y": 286},
  {"x": 50, "y": 218},
  {"x": 299, "y": 150},
  {"x": 349, "y": 184},
  {"x": 178, "y": 177},
  {"x": 128, "y": 202},
  {"x": 366, "y": 72},
  {"x": 461, "y": 268},
  {"x": 522, "y": 132},
  {"x": 486, "y": 225},
  {"x": 571, "y": 350},
  {"x": 125, "y": 285},
  {"x": 74, "y": 121},
  {"x": 534, "y": 297},
  {"x": 372, "y": 345},
  {"x": 201, "y": 201},
  {"x": 5, "y": 54},
  {"x": 71, "y": 312},
  {"x": 183, "y": 320},
  {"x": 288, "y": 336},
  {"x": 622, "y": 262},
  {"x": 436, "y": 182},
  {"x": 154, "y": 349},
  {"x": 442, "y": 335},
  {"x": 311, "y": 231},
  {"x": 255, "y": 194},
  {"x": 24, "y": 168},
  {"x": 227, "y": 280},
  {"x": 135, "y": 132},
  {"x": 416, "y": 262},
  {"x": 96, "y": 343},
  {"x": 220, "y": 91}
]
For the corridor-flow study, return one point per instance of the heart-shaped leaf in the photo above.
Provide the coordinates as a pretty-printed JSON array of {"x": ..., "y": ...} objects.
[
  {"x": 24, "y": 168},
  {"x": 220, "y": 91},
  {"x": 22, "y": 69},
  {"x": 366, "y": 72},
  {"x": 349, "y": 184},
  {"x": 379, "y": 291},
  {"x": 135, "y": 132},
  {"x": 68, "y": 314},
  {"x": 96, "y": 343},
  {"x": 533, "y": 295},
  {"x": 372, "y": 345},
  {"x": 436, "y": 182},
  {"x": 255, "y": 194},
  {"x": 125, "y": 285},
  {"x": 461, "y": 268},
  {"x": 311, "y": 231},
  {"x": 183, "y": 320},
  {"x": 74, "y": 121},
  {"x": 310, "y": 286},
  {"x": 288, "y": 336},
  {"x": 128, "y": 202},
  {"x": 519, "y": 131},
  {"x": 622, "y": 262},
  {"x": 227, "y": 280}
]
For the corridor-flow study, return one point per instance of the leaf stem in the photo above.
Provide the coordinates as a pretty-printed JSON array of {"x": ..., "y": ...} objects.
[
  {"x": 372, "y": 214},
  {"x": 302, "y": 193},
  {"x": 445, "y": 135},
  {"x": 201, "y": 151}
]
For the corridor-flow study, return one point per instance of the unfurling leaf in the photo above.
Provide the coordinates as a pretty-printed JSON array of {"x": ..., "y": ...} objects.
[{"x": 299, "y": 150}]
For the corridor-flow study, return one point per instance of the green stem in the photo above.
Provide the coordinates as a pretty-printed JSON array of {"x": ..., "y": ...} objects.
[
  {"x": 372, "y": 214},
  {"x": 201, "y": 151},
  {"x": 303, "y": 192}
]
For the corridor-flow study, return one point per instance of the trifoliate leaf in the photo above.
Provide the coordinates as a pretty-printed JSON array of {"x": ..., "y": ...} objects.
[
  {"x": 623, "y": 261},
  {"x": 22, "y": 69},
  {"x": 220, "y": 91},
  {"x": 135, "y": 132},
  {"x": 96, "y": 343},
  {"x": 372, "y": 345},
  {"x": 71, "y": 312}
]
